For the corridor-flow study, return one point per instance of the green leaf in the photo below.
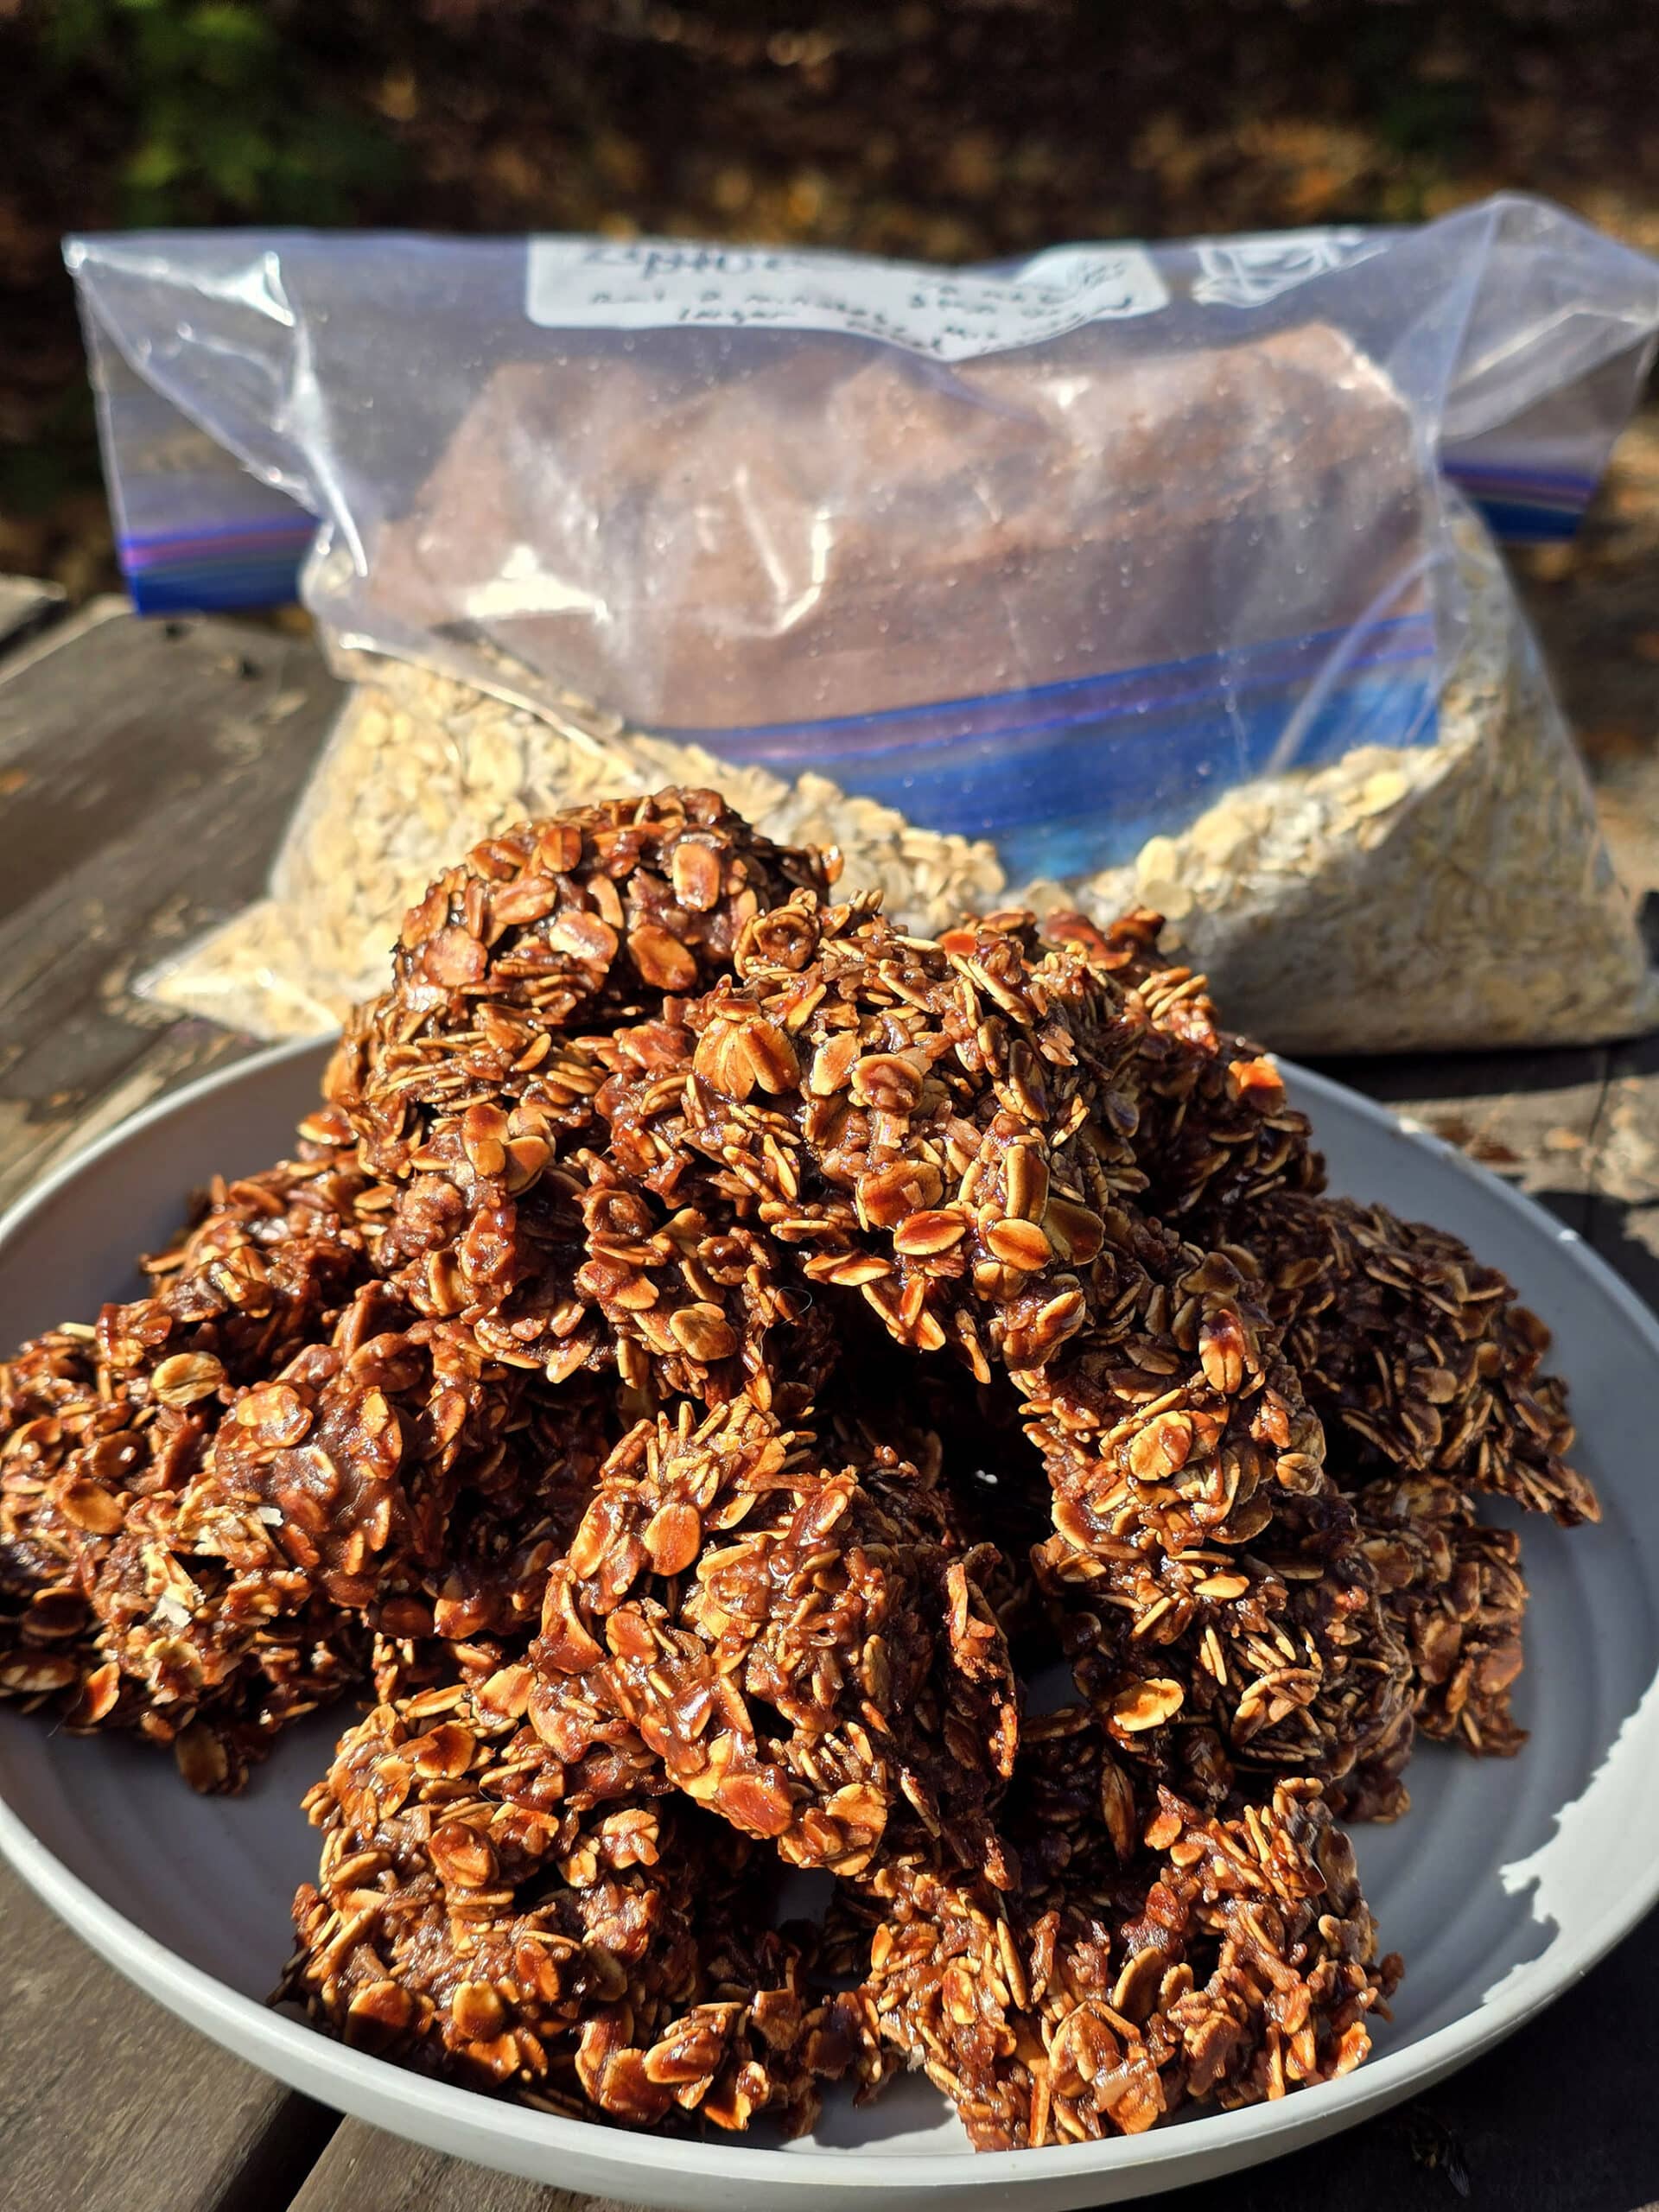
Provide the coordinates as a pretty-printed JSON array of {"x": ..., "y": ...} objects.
[
  {"x": 156, "y": 162},
  {"x": 223, "y": 22},
  {"x": 74, "y": 30},
  {"x": 231, "y": 48}
]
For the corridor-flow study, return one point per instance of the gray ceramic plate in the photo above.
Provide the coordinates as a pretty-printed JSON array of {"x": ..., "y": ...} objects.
[{"x": 1506, "y": 1882}]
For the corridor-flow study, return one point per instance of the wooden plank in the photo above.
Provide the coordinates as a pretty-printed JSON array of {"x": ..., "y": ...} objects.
[
  {"x": 362, "y": 2170},
  {"x": 109, "y": 2103},
  {"x": 26, "y": 605},
  {"x": 1627, "y": 802},
  {"x": 1624, "y": 1223},
  {"x": 146, "y": 770}
]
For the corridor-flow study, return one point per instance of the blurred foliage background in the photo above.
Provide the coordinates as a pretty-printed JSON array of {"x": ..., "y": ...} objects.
[{"x": 945, "y": 129}]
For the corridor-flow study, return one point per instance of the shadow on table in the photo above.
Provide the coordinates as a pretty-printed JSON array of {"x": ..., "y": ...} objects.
[
  {"x": 1629, "y": 1254},
  {"x": 1405, "y": 1076}
]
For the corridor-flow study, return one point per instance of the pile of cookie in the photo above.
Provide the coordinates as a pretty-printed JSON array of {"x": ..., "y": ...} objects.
[{"x": 709, "y": 1352}]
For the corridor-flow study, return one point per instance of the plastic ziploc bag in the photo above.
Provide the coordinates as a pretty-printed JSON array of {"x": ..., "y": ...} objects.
[{"x": 1126, "y": 574}]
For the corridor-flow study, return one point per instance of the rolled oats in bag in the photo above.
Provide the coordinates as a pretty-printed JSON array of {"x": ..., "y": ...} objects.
[{"x": 1124, "y": 576}]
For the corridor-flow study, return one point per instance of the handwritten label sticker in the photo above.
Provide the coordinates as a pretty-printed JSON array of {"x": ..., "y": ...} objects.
[{"x": 949, "y": 315}]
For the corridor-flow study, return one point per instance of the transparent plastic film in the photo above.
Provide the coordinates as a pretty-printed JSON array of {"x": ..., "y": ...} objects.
[{"x": 1126, "y": 574}]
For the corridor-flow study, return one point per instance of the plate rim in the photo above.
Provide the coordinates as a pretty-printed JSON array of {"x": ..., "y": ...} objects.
[{"x": 434, "y": 2112}]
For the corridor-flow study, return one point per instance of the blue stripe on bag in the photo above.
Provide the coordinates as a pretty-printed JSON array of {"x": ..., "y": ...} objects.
[
  {"x": 1134, "y": 752},
  {"x": 1524, "y": 506},
  {"x": 255, "y": 563}
]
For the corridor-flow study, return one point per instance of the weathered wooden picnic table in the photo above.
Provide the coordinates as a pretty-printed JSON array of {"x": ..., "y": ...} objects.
[{"x": 145, "y": 772}]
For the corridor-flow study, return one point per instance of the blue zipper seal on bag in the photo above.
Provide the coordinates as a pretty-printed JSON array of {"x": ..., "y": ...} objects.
[
  {"x": 241, "y": 564},
  {"x": 1134, "y": 752}
]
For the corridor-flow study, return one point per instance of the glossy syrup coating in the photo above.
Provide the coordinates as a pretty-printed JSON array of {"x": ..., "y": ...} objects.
[
  {"x": 806, "y": 1646},
  {"x": 482, "y": 1913},
  {"x": 102, "y": 1421},
  {"x": 546, "y": 961},
  {"x": 573, "y": 924},
  {"x": 1157, "y": 1955},
  {"x": 936, "y": 1132},
  {"x": 1213, "y": 1126},
  {"x": 1416, "y": 1355},
  {"x": 706, "y": 1337},
  {"x": 915, "y": 1126}
]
